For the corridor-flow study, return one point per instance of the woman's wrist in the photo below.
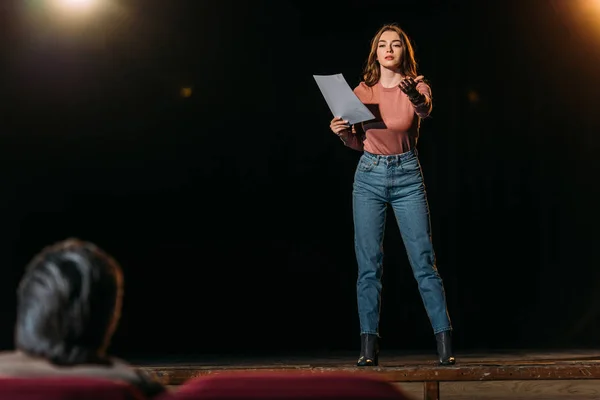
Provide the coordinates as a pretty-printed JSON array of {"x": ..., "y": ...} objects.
[{"x": 344, "y": 132}]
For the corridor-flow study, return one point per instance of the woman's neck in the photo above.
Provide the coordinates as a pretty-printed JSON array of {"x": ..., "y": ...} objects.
[{"x": 390, "y": 78}]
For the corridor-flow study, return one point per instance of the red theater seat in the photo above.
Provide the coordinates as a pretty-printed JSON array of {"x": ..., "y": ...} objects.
[
  {"x": 287, "y": 385},
  {"x": 66, "y": 389}
]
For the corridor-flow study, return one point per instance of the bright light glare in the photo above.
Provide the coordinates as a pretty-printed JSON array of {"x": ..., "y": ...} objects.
[
  {"x": 590, "y": 5},
  {"x": 75, "y": 5},
  {"x": 78, "y": 3},
  {"x": 589, "y": 14}
]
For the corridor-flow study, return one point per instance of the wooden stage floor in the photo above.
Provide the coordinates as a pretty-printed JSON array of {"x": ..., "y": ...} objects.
[{"x": 573, "y": 374}]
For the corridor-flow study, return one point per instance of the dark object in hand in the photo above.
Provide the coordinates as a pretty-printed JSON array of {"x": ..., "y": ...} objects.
[{"x": 409, "y": 87}]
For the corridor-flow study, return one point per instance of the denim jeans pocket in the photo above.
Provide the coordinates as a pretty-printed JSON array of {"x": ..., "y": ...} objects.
[{"x": 411, "y": 165}]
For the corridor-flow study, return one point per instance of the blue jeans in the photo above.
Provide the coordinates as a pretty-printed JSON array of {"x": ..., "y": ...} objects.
[{"x": 396, "y": 180}]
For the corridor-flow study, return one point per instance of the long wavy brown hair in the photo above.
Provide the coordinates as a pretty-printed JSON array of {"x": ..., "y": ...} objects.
[{"x": 408, "y": 64}]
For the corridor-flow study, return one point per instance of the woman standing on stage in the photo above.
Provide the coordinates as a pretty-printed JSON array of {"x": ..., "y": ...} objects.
[{"x": 389, "y": 172}]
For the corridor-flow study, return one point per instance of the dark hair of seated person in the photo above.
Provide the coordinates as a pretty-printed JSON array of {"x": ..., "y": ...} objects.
[{"x": 69, "y": 303}]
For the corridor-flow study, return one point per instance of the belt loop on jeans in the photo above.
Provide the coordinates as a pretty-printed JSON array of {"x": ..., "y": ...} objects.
[{"x": 373, "y": 157}]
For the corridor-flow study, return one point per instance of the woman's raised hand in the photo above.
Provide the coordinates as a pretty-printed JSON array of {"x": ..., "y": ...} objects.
[{"x": 409, "y": 87}]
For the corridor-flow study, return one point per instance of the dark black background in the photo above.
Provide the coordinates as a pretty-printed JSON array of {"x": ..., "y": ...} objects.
[{"x": 230, "y": 210}]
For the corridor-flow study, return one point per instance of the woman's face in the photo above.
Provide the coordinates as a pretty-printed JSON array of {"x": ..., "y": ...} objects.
[{"x": 389, "y": 50}]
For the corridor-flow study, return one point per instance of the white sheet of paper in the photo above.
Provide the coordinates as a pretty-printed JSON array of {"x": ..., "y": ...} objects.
[{"x": 341, "y": 99}]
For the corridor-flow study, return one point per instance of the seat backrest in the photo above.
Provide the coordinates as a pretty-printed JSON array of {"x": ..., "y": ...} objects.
[
  {"x": 64, "y": 388},
  {"x": 294, "y": 385}
]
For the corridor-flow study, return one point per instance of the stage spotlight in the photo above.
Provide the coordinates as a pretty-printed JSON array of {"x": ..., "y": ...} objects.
[
  {"x": 77, "y": 3},
  {"x": 75, "y": 6}
]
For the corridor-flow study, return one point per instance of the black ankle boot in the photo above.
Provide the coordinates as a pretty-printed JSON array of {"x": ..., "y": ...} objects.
[
  {"x": 369, "y": 350},
  {"x": 444, "y": 348}
]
